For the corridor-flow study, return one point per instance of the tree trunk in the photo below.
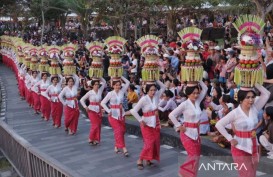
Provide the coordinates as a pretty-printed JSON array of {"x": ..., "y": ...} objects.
[
  {"x": 261, "y": 9},
  {"x": 135, "y": 29},
  {"x": 121, "y": 27},
  {"x": 116, "y": 29},
  {"x": 43, "y": 24},
  {"x": 171, "y": 25}
]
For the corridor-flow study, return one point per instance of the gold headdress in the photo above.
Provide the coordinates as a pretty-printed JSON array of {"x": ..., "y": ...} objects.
[
  {"x": 43, "y": 66},
  {"x": 115, "y": 49},
  {"x": 96, "y": 51},
  {"x": 192, "y": 71},
  {"x": 33, "y": 52},
  {"x": 69, "y": 52},
  {"x": 54, "y": 54},
  {"x": 248, "y": 72},
  {"x": 149, "y": 49}
]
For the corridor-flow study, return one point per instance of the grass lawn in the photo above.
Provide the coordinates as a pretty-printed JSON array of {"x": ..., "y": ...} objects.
[{"x": 4, "y": 163}]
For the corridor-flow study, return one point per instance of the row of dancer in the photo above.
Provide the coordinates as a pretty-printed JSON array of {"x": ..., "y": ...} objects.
[
  {"x": 243, "y": 118},
  {"x": 46, "y": 95}
]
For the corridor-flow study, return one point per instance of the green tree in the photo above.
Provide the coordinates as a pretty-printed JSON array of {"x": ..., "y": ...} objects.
[{"x": 83, "y": 9}]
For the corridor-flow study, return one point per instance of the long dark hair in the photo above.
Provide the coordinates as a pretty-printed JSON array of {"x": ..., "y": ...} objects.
[
  {"x": 148, "y": 87},
  {"x": 69, "y": 78},
  {"x": 242, "y": 95},
  {"x": 219, "y": 95},
  {"x": 190, "y": 90}
]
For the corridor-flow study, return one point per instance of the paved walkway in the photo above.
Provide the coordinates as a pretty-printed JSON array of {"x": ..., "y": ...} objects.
[{"x": 75, "y": 153}]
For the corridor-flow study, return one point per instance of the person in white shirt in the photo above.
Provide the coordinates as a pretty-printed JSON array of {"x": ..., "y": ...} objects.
[
  {"x": 116, "y": 113},
  {"x": 133, "y": 68},
  {"x": 70, "y": 103},
  {"x": 189, "y": 131},
  {"x": 42, "y": 85},
  {"x": 149, "y": 123},
  {"x": 94, "y": 110},
  {"x": 21, "y": 81},
  {"x": 35, "y": 92},
  {"x": 244, "y": 119},
  {"x": 52, "y": 93}
]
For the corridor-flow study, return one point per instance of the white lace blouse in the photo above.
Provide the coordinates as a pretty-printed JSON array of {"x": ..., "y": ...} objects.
[
  {"x": 148, "y": 104},
  {"x": 94, "y": 97},
  {"x": 243, "y": 122},
  {"x": 115, "y": 98},
  {"x": 191, "y": 113}
]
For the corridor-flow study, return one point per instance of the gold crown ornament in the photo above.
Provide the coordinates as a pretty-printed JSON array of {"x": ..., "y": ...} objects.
[
  {"x": 192, "y": 70},
  {"x": 149, "y": 49},
  {"x": 249, "y": 72},
  {"x": 115, "y": 49},
  {"x": 96, "y": 52}
]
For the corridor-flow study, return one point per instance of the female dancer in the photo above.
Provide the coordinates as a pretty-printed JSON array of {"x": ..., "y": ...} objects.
[
  {"x": 21, "y": 80},
  {"x": 244, "y": 120},
  {"x": 116, "y": 113},
  {"x": 35, "y": 92},
  {"x": 71, "y": 109},
  {"x": 149, "y": 123},
  {"x": 42, "y": 85},
  {"x": 189, "y": 131},
  {"x": 94, "y": 110},
  {"x": 28, "y": 87},
  {"x": 52, "y": 93}
]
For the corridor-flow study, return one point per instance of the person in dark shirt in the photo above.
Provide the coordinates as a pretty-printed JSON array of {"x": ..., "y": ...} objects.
[
  {"x": 269, "y": 74},
  {"x": 266, "y": 139}
]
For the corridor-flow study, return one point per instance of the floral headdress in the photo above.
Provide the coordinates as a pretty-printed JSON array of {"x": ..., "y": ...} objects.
[
  {"x": 191, "y": 38},
  {"x": 148, "y": 44},
  {"x": 115, "y": 44},
  {"x": 96, "y": 48},
  {"x": 249, "y": 28}
]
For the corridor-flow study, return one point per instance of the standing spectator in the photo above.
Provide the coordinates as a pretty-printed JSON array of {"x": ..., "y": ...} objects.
[
  {"x": 222, "y": 69},
  {"x": 266, "y": 139},
  {"x": 231, "y": 63},
  {"x": 174, "y": 61},
  {"x": 125, "y": 64},
  {"x": 133, "y": 69},
  {"x": 206, "y": 52}
]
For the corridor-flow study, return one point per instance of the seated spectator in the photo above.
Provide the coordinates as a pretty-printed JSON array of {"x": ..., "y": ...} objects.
[
  {"x": 204, "y": 120},
  {"x": 216, "y": 113},
  {"x": 132, "y": 96},
  {"x": 166, "y": 105}
]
